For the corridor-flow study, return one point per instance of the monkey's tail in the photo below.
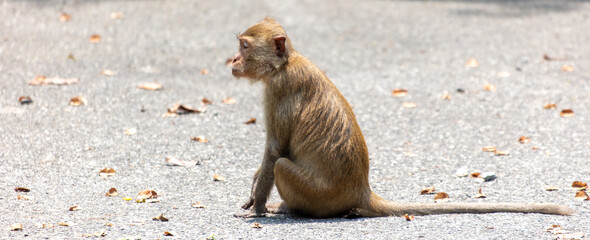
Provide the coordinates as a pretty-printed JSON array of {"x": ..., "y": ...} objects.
[{"x": 381, "y": 207}]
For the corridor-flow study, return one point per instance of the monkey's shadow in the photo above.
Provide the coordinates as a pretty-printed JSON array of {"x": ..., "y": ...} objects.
[{"x": 298, "y": 218}]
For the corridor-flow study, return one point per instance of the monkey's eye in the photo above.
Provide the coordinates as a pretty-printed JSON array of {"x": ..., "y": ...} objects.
[{"x": 245, "y": 44}]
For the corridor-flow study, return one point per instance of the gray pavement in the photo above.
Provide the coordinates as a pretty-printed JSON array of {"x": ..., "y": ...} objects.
[{"x": 367, "y": 48}]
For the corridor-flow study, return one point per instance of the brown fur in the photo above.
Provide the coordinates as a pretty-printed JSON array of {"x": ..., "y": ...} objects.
[{"x": 315, "y": 151}]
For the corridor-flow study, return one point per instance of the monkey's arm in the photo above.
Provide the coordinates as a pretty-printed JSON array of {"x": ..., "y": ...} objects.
[{"x": 263, "y": 182}]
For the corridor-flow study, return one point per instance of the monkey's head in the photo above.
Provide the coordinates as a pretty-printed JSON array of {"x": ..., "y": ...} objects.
[{"x": 264, "y": 48}]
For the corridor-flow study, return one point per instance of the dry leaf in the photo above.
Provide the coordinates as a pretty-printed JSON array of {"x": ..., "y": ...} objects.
[
  {"x": 582, "y": 196},
  {"x": 551, "y": 188},
  {"x": 64, "y": 17},
  {"x": 548, "y": 58},
  {"x": 183, "y": 109},
  {"x": 428, "y": 190},
  {"x": 503, "y": 74},
  {"x": 198, "y": 205},
  {"x": 106, "y": 172},
  {"x": 127, "y": 198},
  {"x": 201, "y": 139},
  {"x": 42, "y": 80},
  {"x": 473, "y": 63},
  {"x": 95, "y": 38},
  {"x": 150, "y": 86},
  {"x": 172, "y": 161},
  {"x": 71, "y": 57},
  {"x": 204, "y": 72},
  {"x": 578, "y": 185},
  {"x": 206, "y": 101},
  {"x": 147, "y": 194},
  {"x": 25, "y": 100},
  {"x": 501, "y": 153},
  {"x": 107, "y": 72},
  {"x": 160, "y": 218},
  {"x": 441, "y": 197},
  {"x": 167, "y": 233},
  {"x": 116, "y": 15},
  {"x": 490, "y": 87},
  {"x": 23, "y": 197},
  {"x": 409, "y": 105},
  {"x": 409, "y": 217},
  {"x": 489, "y": 149},
  {"x": 524, "y": 139},
  {"x": 535, "y": 148},
  {"x": 256, "y": 225},
  {"x": 218, "y": 178},
  {"x": 566, "y": 113},
  {"x": 74, "y": 208},
  {"x": 63, "y": 224},
  {"x": 229, "y": 100},
  {"x": 555, "y": 229},
  {"x": 399, "y": 92},
  {"x": 570, "y": 236},
  {"x": 550, "y": 106},
  {"x": 251, "y": 121},
  {"x": 567, "y": 68},
  {"x": 112, "y": 193},
  {"x": 475, "y": 175},
  {"x": 21, "y": 189},
  {"x": 15, "y": 227},
  {"x": 100, "y": 233},
  {"x": 78, "y": 101},
  {"x": 44, "y": 225},
  {"x": 130, "y": 131},
  {"x": 480, "y": 194},
  {"x": 446, "y": 95}
]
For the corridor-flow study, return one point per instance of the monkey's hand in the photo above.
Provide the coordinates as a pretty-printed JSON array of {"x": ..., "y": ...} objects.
[{"x": 249, "y": 203}]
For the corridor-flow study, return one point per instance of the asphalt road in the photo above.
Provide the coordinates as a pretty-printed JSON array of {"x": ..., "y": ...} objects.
[{"x": 367, "y": 48}]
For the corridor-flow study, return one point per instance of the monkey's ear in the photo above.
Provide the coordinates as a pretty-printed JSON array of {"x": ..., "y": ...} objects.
[{"x": 280, "y": 45}]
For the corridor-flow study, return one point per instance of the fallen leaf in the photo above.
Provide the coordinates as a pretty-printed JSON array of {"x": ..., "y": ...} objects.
[
  {"x": 473, "y": 63},
  {"x": 475, "y": 175},
  {"x": 218, "y": 178},
  {"x": 555, "y": 229},
  {"x": 503, "y": 74},
  {"x": 160, "y": 218},
  {"x": 167, "y": 233},
  {"x": 535, "y": 148},
  {"x": 550, "y": 106},
  {"x": 198, "y": 205},
  {"x": 229, "y": 100},
  {"x": 462, "y": 172},
  {"x": 172, "y": 161},
  {"x": 399, "y": 92},
  {"x": 566, "y": 113},
  {"x": 570, "y": 236},
  {"x": 116, "y": 15},
  {"x": 567, "y": 68},
  {"x": 15, "y": 227},
  {"x": 63, "y": 224},
  {"x": 147, "y": 194},
  {"x": 409, "y": 105},
  {"x": 64, "y": 17},
  {"x": 183, "y": 109},
  {"x": 204, "y": 71},
  {"x": 100, "y": 233},
  {"x": 74, "y": 208},
  {"x": 524, "y": 139},
  {"x": 489, "y": 149},
  {"x": 501, "y": 153},
  {"x": 409, "y": 217},
  {"x": 489, "y": 87},
  {"x": 71, "y": 57},
  {"x": 127, "y": 198},
  {"x": 578, "y": 185},
  {"x": 251, "y": 121},
  {"x": 107, "y": 72},
  {"x": 106, "y": 172},
  {"x": 551, "y": 188},
  {"x": 109, "y": 224},
  {"x": 548, "y": 58},
  {"x": 94, "y": 38},
  {"x": 446, "y": 95},
  {"x": 256, "y": 225},
  {"x": 480, "y": 194},
  {"x": 428, "y": 190},
  {"x": 23, "y": 197},
  {"x": 21, "y": 189},
  {"x": 42, "y": 80},
  {"x": 582, "y": 196},
  {"x": 150, "y": 86},
  {"x": 112, "y": 193},
  {"x": 206, "y": 101},
  {"x": 201, "y": 139},
  {"x": 78, "y": 101},
  {"x": 441, "y": 197},
  {"x": 25, "y": 100},
  {"x": 130, "y": 131},
  {"x": 44, "y": 225}
]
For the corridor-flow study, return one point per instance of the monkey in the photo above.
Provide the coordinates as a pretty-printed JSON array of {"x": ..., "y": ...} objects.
[{"x": 315, "y": 153}]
